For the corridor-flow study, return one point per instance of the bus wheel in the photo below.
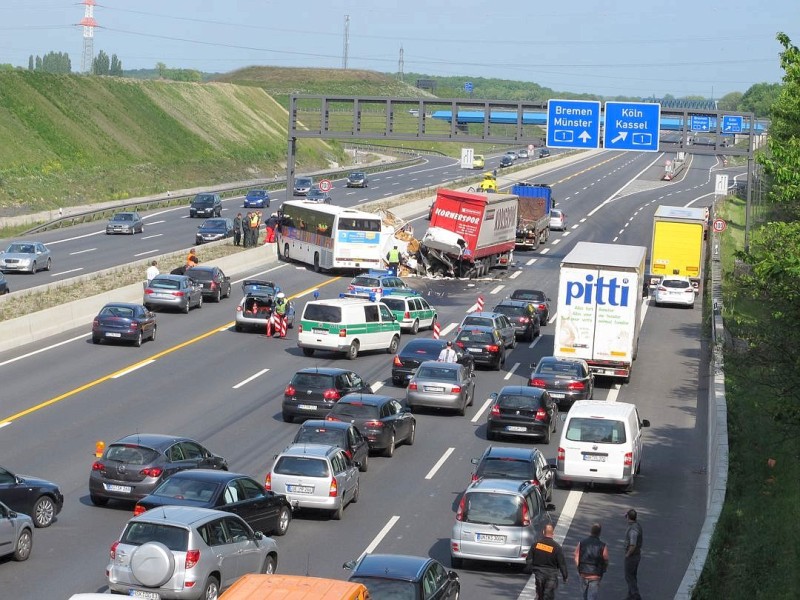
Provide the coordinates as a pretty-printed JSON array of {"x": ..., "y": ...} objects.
[
  {"x": 317, "y": 268},
  {"x": 286, "y": 252}
]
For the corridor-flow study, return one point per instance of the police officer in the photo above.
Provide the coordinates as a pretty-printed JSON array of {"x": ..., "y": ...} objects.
[
  {"x": 591, "y": 558},
  {"x": 393, "y": 258},
  {"x": 547, "y": 561},
  {"x": 280, "y": 306}
]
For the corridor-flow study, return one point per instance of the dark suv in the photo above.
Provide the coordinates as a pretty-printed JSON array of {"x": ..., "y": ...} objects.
[
  {"x": 206, "y": 205},
  {"x": 484, "y": 345},
  {"x": 518, "y": 410},
  {"x": 520, "y": 464},
  {"x": 312, "y": 392},
  {"x": 523, "y": 317}
]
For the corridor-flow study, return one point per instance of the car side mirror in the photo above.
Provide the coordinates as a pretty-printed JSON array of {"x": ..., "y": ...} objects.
[
  {"x": 258, "y": 535},
  {"x": 349, "y": 565},
  {"x": 493, "y": 395},
  {"x": 645, "y": 423},
  {"x": 452, "y": 575},
  {"x": 475, "y": 461},
  {"x": 356, "y": 463}
]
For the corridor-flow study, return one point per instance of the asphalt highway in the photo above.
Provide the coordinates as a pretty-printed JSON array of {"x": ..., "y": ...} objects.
[{"x": 204, "y": 380}]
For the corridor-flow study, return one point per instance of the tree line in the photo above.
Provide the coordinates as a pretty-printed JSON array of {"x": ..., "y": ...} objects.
[{"x": 59, "y": 63}]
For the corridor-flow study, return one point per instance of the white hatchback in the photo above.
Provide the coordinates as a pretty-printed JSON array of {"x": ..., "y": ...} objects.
[
  {"x": 558, "y": 220},
  {"x": 675, "y": 289}
]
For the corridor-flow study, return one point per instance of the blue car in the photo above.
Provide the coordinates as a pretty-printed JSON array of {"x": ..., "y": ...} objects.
[
  {"x": 257, "y": 199},
  {"x": 377, "y": 283}
]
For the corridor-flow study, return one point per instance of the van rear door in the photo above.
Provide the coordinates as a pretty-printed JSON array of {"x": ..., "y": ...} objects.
[{"x": 594, "y": 448}]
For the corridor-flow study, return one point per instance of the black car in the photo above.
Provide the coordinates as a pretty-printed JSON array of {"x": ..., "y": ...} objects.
[
  {"x": 484, "y": 345},
  {"x": 523, "y": 411},
  {"x": 523, "y": 316},
  {"x": 206, "y": 205},
  {"x": 123, "y": 321},
  {"x": 416, "y": 352},
  {"x": 213, "y": 230},
  {"x": 312, "y": 392},
  {"x": 216, "y": 285},
  {"x": 264, "y": 511},
  {"x": 523, "y": 464},
  {"x": 317, "y": 195},
  {"x": 506, "y": 161},
  {"x": 336, "y": 433},
  {"x": 565, "y": 379},
  {"x": 538, "y": 298},
  {"x": 384, "y": 421},
  {"x": 544, "y": 153},
  {"x": 401, "y": 576},
  {"x": 41, "y": 500},
  {"x": 134, "y": 466},
  {"x": 357, "y": 179},
  {"x": 4, "y": 289}
]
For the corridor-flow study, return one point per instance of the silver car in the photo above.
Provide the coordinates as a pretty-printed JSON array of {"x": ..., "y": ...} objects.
[
  {"x": 315, "y": 476},
  {"x": 558, "y": 220},
  {"x": 186, "y": 552},
  {"x": 441, "y": 385},
  {"x": 173, "y": 291},
  {"x": 25, "y": 256},
  {"x": 129, "y": 222},
  {"x": 302, "y": 185},
  {"x": 498, "y": 520},
  {"x": 16, "y": 534}
]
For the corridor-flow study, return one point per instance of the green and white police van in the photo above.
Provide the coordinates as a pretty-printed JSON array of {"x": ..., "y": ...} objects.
[
  {"x": 349, "y": 325},
  {"x": 411, "y": 310}
]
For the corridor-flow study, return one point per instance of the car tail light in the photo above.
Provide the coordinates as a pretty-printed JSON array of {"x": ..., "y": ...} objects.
[
  {"x": 576, "y": 386},
  {"x": 397, "y": 362},
  {"x": 289, "y": 391},
  {"x": 536, "y": 382},
  {"x": 562, "y": 455},
  {"x": 461, "y": 506},
  {"x": 113, "y": 551},
  {"x": 138, "y": 509},
  {"x": 148, "y": 291},
  {"x": 348, "y": 454},
  {"x": 331, "y": 394},
  {"x": 96, "y": 323},
  {"x": 406, "y": 315},
  {"x": 374, "y": 424},
  {"x": 98, "y": 466},
  {"x": 178, "y": 294},
  {"x": 493, "y": 348},
  {"x": 495, "y": 412},
  {"x": 238, "y": 309},
  {"x": 192, "y": 558},
  {"x": 460, "y": 345},
  {"x": 351, "y": 288},
  {"x": 542, "y": 306},
  {"x": 628, "y": 459},
  {"x": 524, "y": 319},
  {"x": 526, "y": 515},
  {"x": 412, "y": 385},
  {"x": 343, "y": 332},
  {"x": 134, "y": 325},
  {"x": 375, "y": 290},
  {"x": 474, "y": 477},
  {"x": 541, "y": 414},
  {"x": 214, "y": 285},
  {"x": 456, "y": 389},
  {"x": 333, "y": 491},
  {"x": 268, "y": 482},
  {"x": 332, "y": 418},
  {"x": 661, "y": 288},
  {"x": 151, "y": 472},
  {"x": 299, "y": 329}
]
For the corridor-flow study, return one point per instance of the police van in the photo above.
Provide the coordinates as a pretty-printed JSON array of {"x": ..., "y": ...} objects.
[
  {"x": 411, "y": 311},
  {"x": 347, "y": 324}
]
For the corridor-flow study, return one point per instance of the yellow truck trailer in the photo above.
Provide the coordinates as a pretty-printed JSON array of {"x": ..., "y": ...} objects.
[{"x": 679, "y": 242}]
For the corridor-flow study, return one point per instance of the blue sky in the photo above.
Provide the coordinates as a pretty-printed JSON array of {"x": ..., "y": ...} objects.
[{"x": 629, "y": 47}]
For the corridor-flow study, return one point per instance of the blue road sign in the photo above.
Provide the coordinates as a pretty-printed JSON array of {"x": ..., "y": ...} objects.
[
  {"x": 468, "y": 87},
  {"x": 573, "y": 124},
  {"x": 700, "y": 123},
  {"x": 632, "y": 126},
  {"x": 732, "y": 124}
]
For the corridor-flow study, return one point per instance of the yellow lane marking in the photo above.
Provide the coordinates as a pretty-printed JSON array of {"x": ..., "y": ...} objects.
[
  {"x": 586, "y": 170},
  {"x": 141, "y": 363}
]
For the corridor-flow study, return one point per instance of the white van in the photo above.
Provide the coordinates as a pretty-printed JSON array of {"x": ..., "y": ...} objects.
[
  {"x": 349, "y": 325},
  {"x": 601, "y": 442}
]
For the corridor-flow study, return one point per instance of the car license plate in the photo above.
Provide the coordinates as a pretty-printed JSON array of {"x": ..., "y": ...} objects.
[
  {"x": 516, "y": 428},
  {"x": 319, "y": 331},
  {"x": 433, "y": 388},
  {"x": 490, "y": 538},
  {"x": 143, "y": 594},
  {"x": 300, "y": 489},
  {"x": 110, "y": 487},
  {"x": 555, "y": 395},
  {"x": 111, "y": 334},
  {"x": 475, "y": 350},
  {"x": 594, "y": 457},
  {"x": 306, "y": 407}
]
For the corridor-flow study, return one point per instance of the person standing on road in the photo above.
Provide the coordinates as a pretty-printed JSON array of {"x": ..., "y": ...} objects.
[
  {"x": 191, "y": 258},
  {"x": 152, "y": 271},
  {"x": 591, "y": 558},
  {"x": 448, "y": 354},
  {"x": 237, "y": 229},
  {"x": 633, "y": 554},
  {"x": 253, "y": 228},
  {"x": 547, "y": 561},
  {"x": 393, "y": 258},
  {"x": 246, "y": 230},
  {"x": 281, "y": 305}
]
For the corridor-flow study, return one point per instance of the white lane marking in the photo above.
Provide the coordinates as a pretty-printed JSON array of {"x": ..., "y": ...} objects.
[
  {"x": 4, "y": 423},
  {"x": 448, "y": 329},
  {"x": 77, "y": 237},
  {"x": 530, "y": 262},
  {"x": 154, "y": 222},
  {"x": 563, "y": 235},
  {"x": 148, "y": 252},
  {"x": 133, "y": 368},
  {"x": 59, "y": 274},
  {"x": 439, "y": 463},
  {"x": 535, "y": 341},
  {"x": 45, "y": 349},
  {"x": 381, "y": 534},
  {"x": 497, "y": 289},
  {"x": 634, "y": 178},
  {"x": 515, "y": 275},
  {"x": 575, "y": 226},
  {"x": 557, "y": 240},
  {"x": 150, "y": 237},
  {"x": 82, "y": 251},
  {"x": 249, "y": 379},
  {"x": 613, "y": 393},
  {"x": 546, "y": 250},
  {"x": 376, "y": 386},
  {"x": 477, "y": 416},
  {"x": 583, "y": 220},
  {"x": 260, "y": 273},
  {"x": 511, "y": 371}
]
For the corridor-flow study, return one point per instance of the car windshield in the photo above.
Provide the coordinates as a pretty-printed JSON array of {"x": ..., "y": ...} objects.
[
  {"x": 505, "y": 468},
  {"x": 676, "y": 283},
  {"x": 355, "y": 411},
  {"x": 181, "y": 488},
  {"x": 259, "y": 289},
  {"x": 370, "y": 282},
  {"x": 200, "y": 274},
  {"x": 20, "y": 249},
  {"x": 318, "y": 381},
  {"x": 556, "y": 214},
  {"x": 302, "y": 182},
  {"x": 528, "y": 295},
  {"x": 437, "y": 373},
  {"x": 165, "y": 284},
  {"x": 513, "y": 402},
  {"x": 510, "y": 311},
  {"x": 492, "y": 509},
  {"x": 131, "y": 454},
  {"x": 214, "y": 224},
  {"x": 256, "y": 194},
  {"x": 477, "y": 337},
  {"x": 477, "y": 322},
  {"x": 391, "y": 589},
  {"x": 603, "y": 431},
  {"x": 302, "y": 466},
  {"x": 124, "y": 312},
  {"x": 174, "y": 538},
  {"x": 122, "y": 217},
  {"x": 203, "y": 201},
  {"x": 424, "y": 348},
  {"x": 321, "y": 435},
  {"x": 559, "y": 369},
  {"x": 323, "y": 313},
  {"x": 315, "y": 192},
  {"x": 357, "y": 175},
  {"x": 395, "y": 304}
]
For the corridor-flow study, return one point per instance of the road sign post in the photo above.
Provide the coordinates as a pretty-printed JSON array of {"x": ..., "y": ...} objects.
[
  {"x": 573, "y": 124},
  {"x": 719, "y": 225},
  {"x": 721, "y": 185},
  {"x": 467, "y": 158},
  {"x": 632, "y": 126},
  {"x": 700, "y": 123},
  {"x": 325, "y": 185},
  {"x": 732, "y": 124},
  {"x": 468, "y": 87}
]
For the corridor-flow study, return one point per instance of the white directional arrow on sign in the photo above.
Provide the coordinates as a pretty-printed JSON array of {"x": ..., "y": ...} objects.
[
  {"x": 620, "y": 137},
  {"x": 585, "y": 136}
]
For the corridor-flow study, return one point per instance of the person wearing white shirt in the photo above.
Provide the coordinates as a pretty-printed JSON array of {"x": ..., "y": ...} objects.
[
  {"x": 152, "y": 271},
  {"x": 448, "y": 354}
]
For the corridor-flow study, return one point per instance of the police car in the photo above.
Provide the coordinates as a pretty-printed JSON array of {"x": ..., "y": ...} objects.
[
  {"x": 411, "y": 311},
  {"x": 376, "y": 284}
]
